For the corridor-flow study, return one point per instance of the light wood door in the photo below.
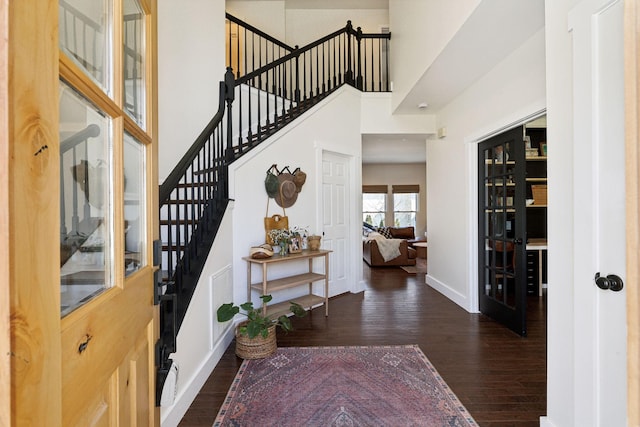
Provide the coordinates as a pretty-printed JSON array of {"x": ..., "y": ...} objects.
[
  {"x": 632, "y": 133},
  {"x": 599, "y": 218},
  {"x": 94, "y": 363}
]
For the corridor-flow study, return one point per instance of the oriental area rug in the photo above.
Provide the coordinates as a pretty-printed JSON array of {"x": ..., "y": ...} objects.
[{"x": 342, "y": 386}]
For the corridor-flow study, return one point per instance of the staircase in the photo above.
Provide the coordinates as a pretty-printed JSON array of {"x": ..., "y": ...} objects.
[{"x": 273, "y": 85}]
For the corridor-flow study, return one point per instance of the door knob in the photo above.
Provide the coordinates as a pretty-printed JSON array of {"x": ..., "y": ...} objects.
[{"x": 611, "y": 282}]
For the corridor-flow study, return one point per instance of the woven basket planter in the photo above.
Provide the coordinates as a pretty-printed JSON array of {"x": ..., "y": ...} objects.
[{"x": 258, "y": 347}]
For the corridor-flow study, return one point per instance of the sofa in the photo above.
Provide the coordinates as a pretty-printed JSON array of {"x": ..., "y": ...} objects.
[{"x": 371, "y": 253}]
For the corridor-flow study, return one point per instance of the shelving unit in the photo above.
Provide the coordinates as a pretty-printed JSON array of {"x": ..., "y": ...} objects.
[
  {"x": 267, "y": 286},
  {"x": 536, "y": 174}
]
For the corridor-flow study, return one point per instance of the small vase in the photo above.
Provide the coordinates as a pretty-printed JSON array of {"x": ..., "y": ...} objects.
[{"x": 284, "y": 248}]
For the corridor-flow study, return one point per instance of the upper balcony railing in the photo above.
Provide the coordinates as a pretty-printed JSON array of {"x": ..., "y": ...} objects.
[
  {"x": 271, "y": 96},
  {"x": 249, "y": 48}
]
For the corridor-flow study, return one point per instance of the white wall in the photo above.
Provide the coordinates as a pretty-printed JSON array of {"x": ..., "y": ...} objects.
[
  {"x": 332, "y": 125},
  {"x": 561, "y": 375},
  {"x": 267, "y": 16},
  {"x": 419, "y": 31},
  {"x": 513, "y": 90},
  {"x": 307, "y": 25},
  {"x": 191, "y": 56},
  {"x": 377, "y": 117},
  {"x": 188, "y": 90},
  {"x": 301, "y": 26},
  {"x": 400, "y": 174}
]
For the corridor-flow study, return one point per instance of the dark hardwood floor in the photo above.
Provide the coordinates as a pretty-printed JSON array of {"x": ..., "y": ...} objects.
[{"x": 499, "y": 376}]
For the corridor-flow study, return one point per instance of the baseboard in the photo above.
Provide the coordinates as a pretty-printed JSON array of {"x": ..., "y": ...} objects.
[
  {"x": 452, "y": 294},
  {"x": 544, "y": 422},
  {"x": 171, "y": 416}
]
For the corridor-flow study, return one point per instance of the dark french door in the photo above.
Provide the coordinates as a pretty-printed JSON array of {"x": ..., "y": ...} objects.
[{"x": 502, "y": 229}]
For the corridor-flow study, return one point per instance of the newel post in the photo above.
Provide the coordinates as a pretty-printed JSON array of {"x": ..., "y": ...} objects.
[
  {"x": 359, "y": 78},
  {"x": 229, "y": 83},
  {"x": 348, "y": 77},
  {"x": 296, "y": 93}
]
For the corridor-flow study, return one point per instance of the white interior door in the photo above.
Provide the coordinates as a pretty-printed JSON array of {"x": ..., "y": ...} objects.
[
  {"x": 599, "y": 211},
  {"x": 335, "y": 217}
]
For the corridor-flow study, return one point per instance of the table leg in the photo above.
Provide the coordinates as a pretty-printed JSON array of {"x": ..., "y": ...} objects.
[{"x": 326, "y": 285}]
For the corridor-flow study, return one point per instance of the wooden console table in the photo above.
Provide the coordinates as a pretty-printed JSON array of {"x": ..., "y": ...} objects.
[{"x": 267, "y": 286}]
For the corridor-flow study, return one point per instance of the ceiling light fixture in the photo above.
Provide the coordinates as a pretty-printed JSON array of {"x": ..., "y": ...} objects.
[{"x": 423, "y": 105}]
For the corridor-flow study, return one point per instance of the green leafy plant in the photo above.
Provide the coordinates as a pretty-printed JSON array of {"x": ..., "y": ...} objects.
[{"x": 257, "y": 323}]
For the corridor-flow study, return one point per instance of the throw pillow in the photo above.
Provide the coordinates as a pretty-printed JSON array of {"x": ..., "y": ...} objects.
[{"x": 385, "y": 232}]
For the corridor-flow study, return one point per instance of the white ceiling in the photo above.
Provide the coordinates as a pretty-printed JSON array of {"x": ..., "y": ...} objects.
[{"x": 492, "y": 32}]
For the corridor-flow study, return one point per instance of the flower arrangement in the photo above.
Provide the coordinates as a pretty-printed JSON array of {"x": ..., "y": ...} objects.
[
  {"x": 280, "y": 236},
  {"x": 289, "y": 239},
  {"x": 285, "y": 235}
]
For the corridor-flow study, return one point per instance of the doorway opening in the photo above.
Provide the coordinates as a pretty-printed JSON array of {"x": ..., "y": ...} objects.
[{"x": 512, "y": 223}]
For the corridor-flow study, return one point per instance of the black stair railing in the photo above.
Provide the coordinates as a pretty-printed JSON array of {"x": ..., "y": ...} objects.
[
  {"x": 195, "y": 195},
  {"x": 192, "y": 201},
  {"x": 249, "y": 48},
  {"x": 272, "y": 96}
]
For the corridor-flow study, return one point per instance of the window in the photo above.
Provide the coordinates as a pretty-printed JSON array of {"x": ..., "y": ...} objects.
[
  {"x": 374, "y": 204},
  {"x": 405, "y": 205}
]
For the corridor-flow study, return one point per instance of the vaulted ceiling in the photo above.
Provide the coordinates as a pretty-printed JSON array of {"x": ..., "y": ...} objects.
[{"x": 491, "y": 33}]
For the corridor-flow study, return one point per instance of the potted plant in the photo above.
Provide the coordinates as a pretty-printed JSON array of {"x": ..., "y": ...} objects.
[{"x": 256, "y": 336}]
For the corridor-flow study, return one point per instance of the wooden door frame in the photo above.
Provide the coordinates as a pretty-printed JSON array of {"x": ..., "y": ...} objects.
[
  {"x": 32, "y": 240},
  {"x": 5, "y": 331},
  {"x": 632, "y": 151}
]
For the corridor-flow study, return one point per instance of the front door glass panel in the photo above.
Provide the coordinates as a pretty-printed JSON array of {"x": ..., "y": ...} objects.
[
  {"x": 86, "y": 218},
  {"x": 135, "y": 223},
  {"x": 85, "y": 37},
  {"x": 133, "y": 61}
]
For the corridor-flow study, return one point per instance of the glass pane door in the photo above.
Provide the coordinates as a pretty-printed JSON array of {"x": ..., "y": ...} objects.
[
  {"x": 501, "y": 197},
  {"x": 86, "y": 217}
]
